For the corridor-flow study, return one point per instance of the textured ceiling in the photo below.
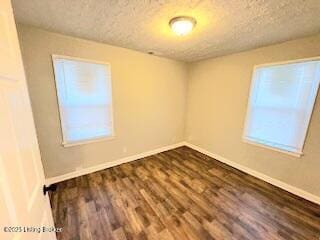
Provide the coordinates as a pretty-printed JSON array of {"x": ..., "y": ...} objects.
[{"x": 223, "y": 26}]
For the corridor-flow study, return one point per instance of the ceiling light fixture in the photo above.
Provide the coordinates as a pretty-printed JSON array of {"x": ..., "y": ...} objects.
[{"x": 182, "y": 25}]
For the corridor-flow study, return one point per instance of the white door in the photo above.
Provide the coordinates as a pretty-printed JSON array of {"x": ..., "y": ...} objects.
[{"x": 24, "y": 209}]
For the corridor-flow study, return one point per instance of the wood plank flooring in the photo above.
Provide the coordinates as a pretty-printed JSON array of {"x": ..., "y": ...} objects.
[{"x": 179, "y": 194}]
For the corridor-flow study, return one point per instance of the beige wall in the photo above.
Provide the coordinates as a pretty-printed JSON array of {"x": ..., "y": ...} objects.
[
  {"x": 217, "y": 99},
  {"x": 148, "y": 100},
  {"x": 150, "y": 97}
]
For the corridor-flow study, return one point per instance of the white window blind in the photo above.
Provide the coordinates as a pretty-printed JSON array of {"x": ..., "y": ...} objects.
[
  {"x": 280, "y": 105},
  {"x": 85, "y": 99}
]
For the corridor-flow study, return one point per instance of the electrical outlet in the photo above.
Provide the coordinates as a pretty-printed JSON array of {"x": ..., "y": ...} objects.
[{"x": 124, "y": 149}]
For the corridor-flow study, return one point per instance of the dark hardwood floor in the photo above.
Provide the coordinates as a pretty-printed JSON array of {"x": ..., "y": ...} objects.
[{"x": 180, "y": 194}]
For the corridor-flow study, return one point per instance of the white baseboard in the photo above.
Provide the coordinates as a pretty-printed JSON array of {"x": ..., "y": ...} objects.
[
  {"x": 110, "y": 164},
  {"x": 294, "y": 190}
]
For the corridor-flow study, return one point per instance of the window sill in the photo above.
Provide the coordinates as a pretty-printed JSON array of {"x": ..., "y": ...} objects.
[
  {"x": 295, "y": 154},
  {"x": 83, "y": 142}
]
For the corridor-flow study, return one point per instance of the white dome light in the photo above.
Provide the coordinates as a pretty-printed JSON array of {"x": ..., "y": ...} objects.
[{"x": 182, "y": 25}]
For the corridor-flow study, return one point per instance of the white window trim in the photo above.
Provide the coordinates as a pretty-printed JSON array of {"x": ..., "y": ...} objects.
[
  {"x": 90, "y": 140},
  {"x": 245, "y": 139},
  {"x": 295, "y": 154}
]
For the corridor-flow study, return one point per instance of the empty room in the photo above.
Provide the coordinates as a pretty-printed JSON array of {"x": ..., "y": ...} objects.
[{"x": 159, "y": 120}]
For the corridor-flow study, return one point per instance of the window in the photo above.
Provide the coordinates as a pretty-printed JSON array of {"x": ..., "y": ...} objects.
[
  {"x": 85, "y": 99},
  {"x": 280, "y": 104}
]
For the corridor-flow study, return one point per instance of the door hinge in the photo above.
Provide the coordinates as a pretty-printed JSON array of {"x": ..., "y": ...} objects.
[{"x": 51, "y": 187}]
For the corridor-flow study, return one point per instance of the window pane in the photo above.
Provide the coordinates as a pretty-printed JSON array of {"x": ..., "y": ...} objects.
[
  {"x": 84, "y": 92},
  {"x": 280, "y": 105}
]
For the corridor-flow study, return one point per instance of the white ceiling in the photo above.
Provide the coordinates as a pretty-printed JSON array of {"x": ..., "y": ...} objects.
[{"x": 223, "y": 26}]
